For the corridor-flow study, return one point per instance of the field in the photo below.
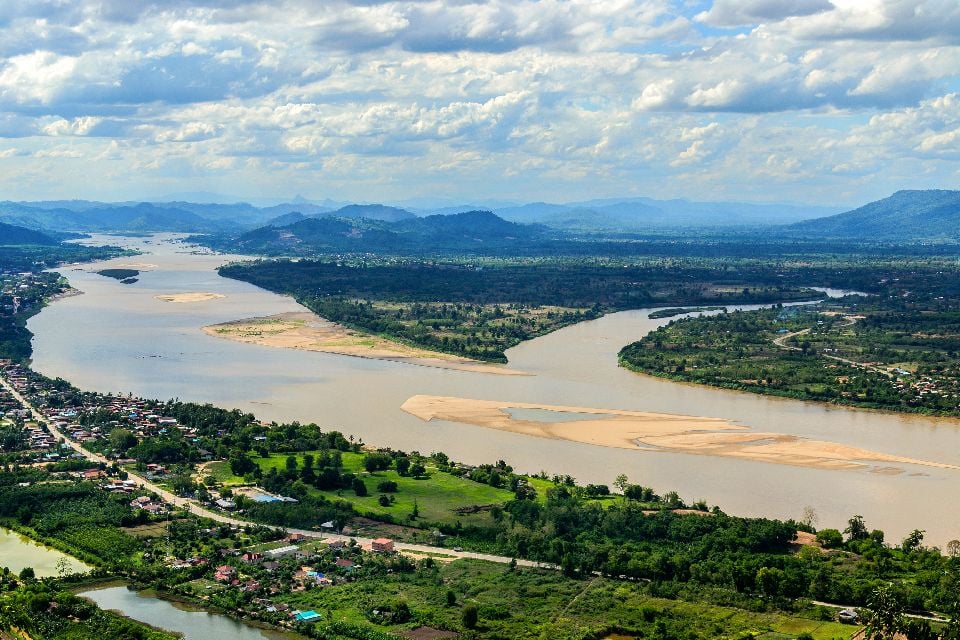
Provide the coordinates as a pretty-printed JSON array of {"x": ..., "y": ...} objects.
[
  {"x": 440, "y": 498},
  {"x": 538, "y": 604}
]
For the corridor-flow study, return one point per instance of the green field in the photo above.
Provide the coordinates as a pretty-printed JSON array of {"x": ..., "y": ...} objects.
[{"x": 437, "y": 497}]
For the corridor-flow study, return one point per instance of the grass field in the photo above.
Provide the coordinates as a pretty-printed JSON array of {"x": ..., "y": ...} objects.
[{"x": 437, "y": 497}]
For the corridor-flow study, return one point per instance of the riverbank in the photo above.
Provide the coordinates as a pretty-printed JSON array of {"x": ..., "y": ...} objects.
[
  {"x": 309, "y": 332},
  {"x": 649, "y": 431}
]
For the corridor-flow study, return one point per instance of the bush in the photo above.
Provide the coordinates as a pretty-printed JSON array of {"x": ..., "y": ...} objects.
[
  {"x": 359, "y": 488},
  {"x": 469, "y": 616},
  {"x": 830, "y": 538},
  {"x": 387, "y": 486}
]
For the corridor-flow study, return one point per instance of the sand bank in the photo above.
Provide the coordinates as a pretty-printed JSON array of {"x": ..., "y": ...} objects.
[
  {"x": 310, "y": 332},
  {"x": 647, "y": 431},
  {"x": 190, "y": 297}
]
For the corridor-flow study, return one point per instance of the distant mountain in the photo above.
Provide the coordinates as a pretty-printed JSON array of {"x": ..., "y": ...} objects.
[
  {"x": 372, "y": 212},
  {"x": 13, "y": 235},
  {"x": 285, "y": 219},
  {"x": 905, "y": 216},
  {"x": 469, "y": 231},
  {"x": 646, "y": 214},
  {"x": 478, "y": 226}
]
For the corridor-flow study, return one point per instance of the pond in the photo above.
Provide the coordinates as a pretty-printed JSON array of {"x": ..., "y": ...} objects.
[
  {"x": 193, "y": 623},
  {"x": 18, "y": 552}
]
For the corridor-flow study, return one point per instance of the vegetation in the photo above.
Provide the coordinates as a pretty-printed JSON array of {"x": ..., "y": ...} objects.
[
  {"x": 896, "y": 350},
  {"x": 484, "y": 309}
]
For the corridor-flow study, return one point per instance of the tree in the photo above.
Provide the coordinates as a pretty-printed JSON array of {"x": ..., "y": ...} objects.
[
  {"x": 621, "y": 482},
  {"x": 469, "y": 616},
  {"x": 451, "y": 598},
  {"x": 830, "y": 538},
  {"x": 359, "y": 488},
  {"x": 122, "y": 439},
  {"x": 769, "y": 579},
  {"x": 809, "y": 517},
  {"x": 27, "y": 573},
  {"x": 403, "y": 465},
  {"x": 856, "y": 529},
  {"x": 913, "y": 541},
  {"x": 884, "y": 614}
]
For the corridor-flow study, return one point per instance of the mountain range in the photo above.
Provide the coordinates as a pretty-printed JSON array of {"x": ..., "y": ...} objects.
[{"x": 906, "y": 216}]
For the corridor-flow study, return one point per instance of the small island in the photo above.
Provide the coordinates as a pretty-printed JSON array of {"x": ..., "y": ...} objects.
[
  {"x": 678, "y": 311},
  {"x": 126, "y": 276}
]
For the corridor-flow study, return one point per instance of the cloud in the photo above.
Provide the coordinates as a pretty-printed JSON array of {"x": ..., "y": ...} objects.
[
  {"x": 521, "y": 97},
  {"x": 732, "y": 13}
]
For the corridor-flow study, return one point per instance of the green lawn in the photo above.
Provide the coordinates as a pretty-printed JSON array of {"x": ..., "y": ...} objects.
[{"x": 437, "y": 497}]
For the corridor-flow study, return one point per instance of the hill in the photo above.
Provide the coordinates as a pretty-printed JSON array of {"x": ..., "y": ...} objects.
[
  {"x": 906, "y": 216},
  {"x": 464, "y": 232},
  {"x": 13, "y": 235}
]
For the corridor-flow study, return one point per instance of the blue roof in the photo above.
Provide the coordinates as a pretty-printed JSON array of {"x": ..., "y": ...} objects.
[{"x": 306, "y": 616}]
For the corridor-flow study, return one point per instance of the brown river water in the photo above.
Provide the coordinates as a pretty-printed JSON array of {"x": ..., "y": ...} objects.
[{"x": 122, "y": 338}]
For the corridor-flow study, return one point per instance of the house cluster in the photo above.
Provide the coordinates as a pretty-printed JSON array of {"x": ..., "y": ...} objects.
[
  {"x": 149, "y": 505},
  {"x": 926, "y": 386},
  {"x": 78, "y": 422},
  {"x": 289, "y": 568}
]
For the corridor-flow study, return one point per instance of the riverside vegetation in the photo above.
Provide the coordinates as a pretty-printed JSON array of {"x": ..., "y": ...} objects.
[
  {"x": 480, "y": 308},
  {"x": 895, "y": 350}
]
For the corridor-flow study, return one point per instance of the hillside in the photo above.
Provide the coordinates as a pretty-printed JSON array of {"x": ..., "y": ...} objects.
[
  {"x": 467, "y": 231},
  {"x": 13, "y": 235},
  {"x": 907, "y": 216}
]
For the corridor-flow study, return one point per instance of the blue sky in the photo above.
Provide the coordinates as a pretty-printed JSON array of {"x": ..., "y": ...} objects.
[{"x": 820, "y": 101}]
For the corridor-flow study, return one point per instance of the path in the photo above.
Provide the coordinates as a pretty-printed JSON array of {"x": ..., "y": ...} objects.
[{"x": 780, "y": 342}]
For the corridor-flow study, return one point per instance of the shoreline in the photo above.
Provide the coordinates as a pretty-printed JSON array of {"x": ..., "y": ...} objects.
[
  {"x": 668, "y": 433},
  {"x": 306, "y": 331},
  {"x": 785, "y": 398}
]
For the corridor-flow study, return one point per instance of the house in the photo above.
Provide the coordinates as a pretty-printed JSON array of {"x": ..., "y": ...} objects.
[
  {"x": 343, "y": 563},
  {"x": 382, "y": 545},
  {"x": 224, "y": 573},
  {"x": 226, "y": 504},
  {"x": 251, "y": 556},
  {"x": 307, "y": 617}
]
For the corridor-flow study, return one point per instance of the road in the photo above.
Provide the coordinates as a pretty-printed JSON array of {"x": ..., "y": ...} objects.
[
  {"x": 851, "y": 320},
  {"x": 199, "y": 510}
]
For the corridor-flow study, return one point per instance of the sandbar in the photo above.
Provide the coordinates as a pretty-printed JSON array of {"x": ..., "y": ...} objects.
[
  {"x": 309, "y": 332},
  {"x": 181, "y": 298},
  {"x": 648, "y": 431}
]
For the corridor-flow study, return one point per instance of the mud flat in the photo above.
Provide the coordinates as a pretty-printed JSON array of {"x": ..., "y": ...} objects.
[
  {"x": 647, "y": 431},
  {"x": 309, "y": 332}
]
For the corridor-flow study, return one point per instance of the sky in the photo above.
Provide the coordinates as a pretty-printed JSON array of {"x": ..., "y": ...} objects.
[{"x": 806, "y": 101}]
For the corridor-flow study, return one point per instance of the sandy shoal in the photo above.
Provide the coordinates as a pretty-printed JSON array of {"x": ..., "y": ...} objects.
[
  {"x": 309, "y": 332},
  {"x": 647, "y": 431},
  {"x": 189, "y": 297}
]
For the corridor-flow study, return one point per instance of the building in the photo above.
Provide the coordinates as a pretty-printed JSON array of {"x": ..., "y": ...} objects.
[
  {"x": 382, "y": 545},
  {"x": 307, "y": 617}
]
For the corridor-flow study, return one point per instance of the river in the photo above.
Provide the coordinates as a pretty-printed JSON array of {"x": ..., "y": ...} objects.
[
  {"x": 193, "y": 623},
  {"x": 121, "y": 338}
]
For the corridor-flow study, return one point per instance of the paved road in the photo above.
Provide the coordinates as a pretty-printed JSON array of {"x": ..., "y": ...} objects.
[{"x": 199, "y": 510}]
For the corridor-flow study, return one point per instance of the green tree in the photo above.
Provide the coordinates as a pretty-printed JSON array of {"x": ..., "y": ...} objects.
[
  {"x": 856, "y": 529},
  {"x": 470, "y": 616}
]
